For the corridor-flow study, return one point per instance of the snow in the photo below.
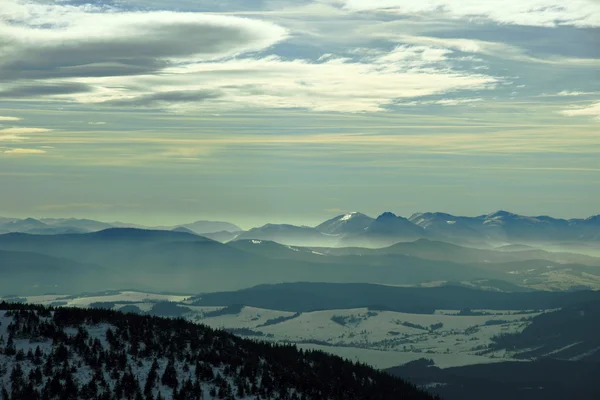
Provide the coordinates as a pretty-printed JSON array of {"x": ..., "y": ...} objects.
[
  {"x": 256, "y": 241},
  {"x": 388, "y": 359},
  {"x": 83, "y": 374},
  {"x": 249, "y": 317},
  {"x": 347, "y": 216},
  {"x": 402, "y": 337},
  {"x": 116, "y": 297}
]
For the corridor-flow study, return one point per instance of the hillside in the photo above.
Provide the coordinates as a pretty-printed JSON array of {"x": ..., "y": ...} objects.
[
  {"x": 443, "y": 251},
  {"x": 306, "y": 296},
  {"x": 544, "y": 379},
  {"x": 178, "y": 261},
  {"x": 151, "y": 260},
  {"x": 99, "y": 354}
]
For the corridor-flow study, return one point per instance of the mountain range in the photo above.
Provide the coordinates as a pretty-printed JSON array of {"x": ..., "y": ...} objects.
[
  {"x": 180, "y": 261},
  {"x": 52, "y": 226},
  {"x": 500, "y": 228}
]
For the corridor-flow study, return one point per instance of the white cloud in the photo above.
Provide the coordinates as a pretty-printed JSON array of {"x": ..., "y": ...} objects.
[
  {"x": 492, "y": 49},
  {"x": 183, "y": 62},
  {"x": 566, "y": 93},
  {"x": 53, "y": 41},
  {"x": 442, "y": 102},
  {"x": 579, "y": 13},
  {"x": 593, "y": 110},
  {"x": 24, "y": 151},
  {"x": 14, "y": 134},
  {"x": 24, "y": 130},
  {"x": 338, "y": 84},
  {"x": 4, "y": 118},
  {"x": 11, "y": 138}
]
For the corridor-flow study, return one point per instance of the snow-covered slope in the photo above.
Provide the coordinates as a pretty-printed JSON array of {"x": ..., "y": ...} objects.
[
  {"x": 99, "y": 354},
  {"x": 346, "y": 224}
]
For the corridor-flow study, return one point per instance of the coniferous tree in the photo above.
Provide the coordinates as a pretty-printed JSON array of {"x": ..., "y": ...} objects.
[
  {"x": 151, "y": 379},
  {"x": 16, "y": 377},
  {"x": 169, "y": 377}
]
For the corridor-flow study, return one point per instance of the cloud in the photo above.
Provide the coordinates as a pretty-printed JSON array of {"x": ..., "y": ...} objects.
[
  {"x": 547, "y": 13},
  {"x": 491, "y": 49},
  {"x": 44, "y": 89},
  {"x": 60, "y": 41},
  {"x": 97, "y": 123},
  {"x": 14, "y": 134},
  {"x": 443, "y": 102},
  {"x": 23, "y": 130},
  {"x": 592, "y": 110},
  {"x": 24, "y": 151},
  {"x": 186, "y": 61},
  {"x": 11, "y": 138},
  {"x": 162, "y": 98},
  {"x": 368, "y": 84},
  {"x": 566, "y": 93},
  {"x": 4, "y": 118}
]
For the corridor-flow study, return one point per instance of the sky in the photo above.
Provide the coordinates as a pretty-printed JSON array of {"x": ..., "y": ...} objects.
[{"x": 256, "y": 111}]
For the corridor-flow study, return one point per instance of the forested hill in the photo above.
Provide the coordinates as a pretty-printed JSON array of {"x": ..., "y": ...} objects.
[{"x": 68, "y": 353}]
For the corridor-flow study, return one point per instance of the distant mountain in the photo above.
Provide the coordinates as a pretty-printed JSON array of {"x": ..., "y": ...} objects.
[
  {"x": 487, "y": 231},
  {"x": 182, "y": 262},
  {"x": 442, "y": 251},
  {"x": 201, "y": 227},
  {"x": 443, "y": 225},
  {"x": 72, "y": 353},
  {"x": 223, "y": 236},
  {"x": 51, "y": 230},
  {"x": 387, "y": 229},
  {"x": 21, "y": 225},
  {"x": 52, "y": 226},
  {"x": 503, "y": 226},
  {"x": 514, "y": 247},
  {"x": 346, "y": 224},
  {"x": 27, "y": 272},
  {"x": 290, "y": 235},
  {"x": 183, "y": 230},
  {"x": 83, "y": 224},
  {"x": 273, "y": 250}
]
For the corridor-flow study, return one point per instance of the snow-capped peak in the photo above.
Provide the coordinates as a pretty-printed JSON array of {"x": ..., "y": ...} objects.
[{"x": 348, "y": 216}]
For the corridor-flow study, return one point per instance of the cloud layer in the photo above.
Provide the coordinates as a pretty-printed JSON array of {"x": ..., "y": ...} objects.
[
  {"x": 580, "y": 13},
  {"x": 195, "y": 61},
  {"x": 593, "y": 110}
]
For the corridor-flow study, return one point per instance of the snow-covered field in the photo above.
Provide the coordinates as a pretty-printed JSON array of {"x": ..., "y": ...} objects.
[
  {"x": 388, "y": 359},
  {"x": 384, "y": 339},
  {"x": 112, "y": 297},
  {"x": 379, "y": 338}
]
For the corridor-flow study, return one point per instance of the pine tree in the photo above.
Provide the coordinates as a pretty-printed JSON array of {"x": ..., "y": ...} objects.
[
  {"x": 151, "y": 379},
  {"x": 16, "y": 377},
  {"x": 169, "y": 377}
]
